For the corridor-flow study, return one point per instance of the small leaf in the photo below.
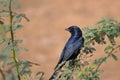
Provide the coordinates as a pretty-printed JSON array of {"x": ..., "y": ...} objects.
[
  {"x": 93, "y": 66},
  {"x": 23, "y": 49},
  {"x": 17, "y": 27},
  {"x": 80, "y": 74},
  {"x": 100, "y": 60},
  {"x": 107, "y": 49},
  {"x": 5, "y": 15},
  {"x": 1, "y": 22},
  {"x": 2, "y": 31},
  {"x": 101, "y": 21},
  {"x": 3, "y": 57},
  {"x": 18, "y": 19},
  {"x": 114, "y": 57},
  {"x": 18, "y": 41},
  {"x": 39, "y": 73},
  {"x": 15, "y": 3}
]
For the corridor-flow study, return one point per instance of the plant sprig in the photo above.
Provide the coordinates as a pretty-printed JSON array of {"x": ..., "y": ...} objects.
[
  {"x": 83, "y": 69},
  {"x": 9, "y": 46}
]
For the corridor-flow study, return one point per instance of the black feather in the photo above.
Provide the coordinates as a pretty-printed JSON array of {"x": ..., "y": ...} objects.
[{"x": 72, "y": 47}]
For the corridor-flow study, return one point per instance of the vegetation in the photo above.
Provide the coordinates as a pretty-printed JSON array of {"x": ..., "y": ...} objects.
[
  {"x": 12, "y": 67},
  {"x": 82, "y": 68}
]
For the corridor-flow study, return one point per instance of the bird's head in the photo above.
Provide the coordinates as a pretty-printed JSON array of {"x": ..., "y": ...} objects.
[{"x": 74, "y": 30}]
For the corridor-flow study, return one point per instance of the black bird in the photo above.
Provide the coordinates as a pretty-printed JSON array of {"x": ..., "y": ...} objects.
[{"x": 72, "y": 47}]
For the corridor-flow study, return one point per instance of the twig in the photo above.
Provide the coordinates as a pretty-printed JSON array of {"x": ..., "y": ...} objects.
[
  {"x": 12, "y": 41},
  {"x": 106, "y": 57},
  {"x": 14, "y": 13},
  {"x": 3, "y": 75}
]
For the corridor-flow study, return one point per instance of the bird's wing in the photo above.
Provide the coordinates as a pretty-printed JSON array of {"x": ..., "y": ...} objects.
[{"x": 71, "y": 48}]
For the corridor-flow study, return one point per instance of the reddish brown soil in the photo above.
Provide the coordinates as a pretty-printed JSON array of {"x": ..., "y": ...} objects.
[{"x": 45, "y": 36}]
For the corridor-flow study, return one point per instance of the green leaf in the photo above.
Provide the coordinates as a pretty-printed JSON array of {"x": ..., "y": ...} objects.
[
  {"x": 15, "y": 3},
  {"x": 5, "y": 15},
  {"x": 107, "y": 49},
  {"x": 2, "y": 31},
  {"x": 17, "y": 27},
  {"x": 5, "y": 55},
  {"x": 100, "y": 60},
  {"x": 6, "y": 41},
  {"x": 23, "y": 49},
  {"x": 114, "y": 57},
  {"x": 18, "y": 19},
  {"x": 39, "y": 73},
  {"x": 2, "y": 57},
  {"x": 101, "y": 21},
  {"x": 1, "y": 22},
  {"x": 4, "y": 4},
  {"x": 18, "y": 41},
  {"x": 11, "y": 75},
  {"x": 80, "y": 74},
  {"x": 89, "y": 49},
  {"x": 25, "y": 67}
]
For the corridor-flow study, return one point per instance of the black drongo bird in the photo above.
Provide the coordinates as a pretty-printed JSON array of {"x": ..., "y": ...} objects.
[{"x": 72, "y": 47}]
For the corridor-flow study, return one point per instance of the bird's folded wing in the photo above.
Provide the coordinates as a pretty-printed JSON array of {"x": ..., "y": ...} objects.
[{"x": 70, "y": 49}]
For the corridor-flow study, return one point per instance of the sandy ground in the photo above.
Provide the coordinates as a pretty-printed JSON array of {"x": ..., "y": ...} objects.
[{"x": 45, "y": 36}]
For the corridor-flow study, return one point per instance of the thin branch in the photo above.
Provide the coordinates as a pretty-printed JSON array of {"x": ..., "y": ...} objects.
[
  {"x": 106, "y": 57},
  {"x": 14, "y": 13},
  {"x": 12, "y": 41},
  {"x": 3, "y": 75}
]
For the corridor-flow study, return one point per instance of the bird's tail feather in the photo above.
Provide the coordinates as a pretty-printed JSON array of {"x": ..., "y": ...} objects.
[
  {"x": 59, "y": 66},
  {"x": 53, "y": 75}
]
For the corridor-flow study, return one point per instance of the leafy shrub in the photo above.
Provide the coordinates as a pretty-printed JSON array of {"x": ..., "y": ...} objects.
[
  {"x": 82, "y": 68},
  {"x": 12, "y": 68}
]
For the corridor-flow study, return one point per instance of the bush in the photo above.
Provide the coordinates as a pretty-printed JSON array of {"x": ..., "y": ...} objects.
[
  {"x": 82, "y": 68},
  {"x": 12, "y": 68}
]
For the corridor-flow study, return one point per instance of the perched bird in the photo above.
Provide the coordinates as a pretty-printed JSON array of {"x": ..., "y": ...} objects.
[{"x": 72, "y": 47}]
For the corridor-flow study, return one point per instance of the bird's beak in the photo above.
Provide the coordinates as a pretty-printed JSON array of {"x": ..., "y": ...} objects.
[{"x": 67, "y": 29}]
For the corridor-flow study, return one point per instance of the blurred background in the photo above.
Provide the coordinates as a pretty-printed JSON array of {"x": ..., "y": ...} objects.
[{"x": 44, "y": 36}]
